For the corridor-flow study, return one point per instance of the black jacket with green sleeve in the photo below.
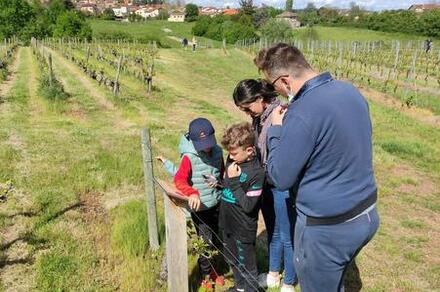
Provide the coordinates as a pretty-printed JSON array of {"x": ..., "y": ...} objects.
[{"x": 241, "y": 200}]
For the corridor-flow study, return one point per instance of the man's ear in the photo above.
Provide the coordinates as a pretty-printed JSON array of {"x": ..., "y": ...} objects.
[
  {"x": 250, "y": 150},
  {"x": 286, "y": 81}
]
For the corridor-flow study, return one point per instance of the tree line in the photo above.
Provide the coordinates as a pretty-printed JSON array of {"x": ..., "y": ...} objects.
[
  {"x": 31, "y": 19},
  {"x": 250, "y": 23},
  {"x": 401, "y": 21}
]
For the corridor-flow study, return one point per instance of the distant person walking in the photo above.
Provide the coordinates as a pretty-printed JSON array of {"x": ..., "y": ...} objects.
[
  {"x": 185, "y": 43},
  {"x": 322, "y": 144},
  {"x": 428, "y": 45},
  {"x": 194, "y": 44}
]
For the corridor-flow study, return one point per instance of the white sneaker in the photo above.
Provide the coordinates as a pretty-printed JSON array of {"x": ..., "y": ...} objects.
[
  {"x": 287, "y": 289},
  {"x": 273, "y": 282}
]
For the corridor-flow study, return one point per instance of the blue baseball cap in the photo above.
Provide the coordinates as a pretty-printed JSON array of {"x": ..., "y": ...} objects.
[{"x": 201, "y": 133}]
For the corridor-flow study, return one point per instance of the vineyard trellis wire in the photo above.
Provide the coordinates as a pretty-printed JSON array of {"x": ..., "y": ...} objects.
[
  {"x": 396, "y": 67},
  {"x": 7, "y": 51}
]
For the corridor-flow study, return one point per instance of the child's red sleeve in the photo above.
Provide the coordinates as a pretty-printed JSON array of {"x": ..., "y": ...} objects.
[{"x": 182, "y": 178}]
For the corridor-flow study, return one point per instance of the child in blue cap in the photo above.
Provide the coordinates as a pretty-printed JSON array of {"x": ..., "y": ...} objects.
[{"x": 201, "y": 167}]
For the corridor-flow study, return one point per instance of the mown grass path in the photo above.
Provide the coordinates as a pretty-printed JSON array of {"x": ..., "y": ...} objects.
[{"x": 16, "y": 256}]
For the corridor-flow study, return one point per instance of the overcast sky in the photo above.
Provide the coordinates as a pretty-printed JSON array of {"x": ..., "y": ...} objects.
[{"x": 368, "y": 4}]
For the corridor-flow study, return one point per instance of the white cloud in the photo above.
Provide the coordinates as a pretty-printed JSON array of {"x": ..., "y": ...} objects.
[{"x": 368, "y": 4}]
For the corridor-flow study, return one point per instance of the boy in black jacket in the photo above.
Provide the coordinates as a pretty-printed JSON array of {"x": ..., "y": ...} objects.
[{"x": 243, "y": 186}]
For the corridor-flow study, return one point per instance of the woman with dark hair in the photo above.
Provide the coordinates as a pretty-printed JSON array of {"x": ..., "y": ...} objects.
[{"x": 258, "y": 99}]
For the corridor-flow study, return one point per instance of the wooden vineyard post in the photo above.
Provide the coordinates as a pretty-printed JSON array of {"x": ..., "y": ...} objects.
[
  {"x": 116, "y": 85},
  {"x": 176, "y": 240},
  {"x": 150, "y": 71},
  {"x": 88, "y": 55},
  {"x": 50, "y": 70},
  {"x": 176, "y": 247},
  {"x": 149, "y": 189}
]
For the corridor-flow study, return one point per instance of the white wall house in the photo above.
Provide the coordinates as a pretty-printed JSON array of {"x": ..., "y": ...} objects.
[
  {"x": 121, "y": 11},
  {"x": 147, "y": 12},
  {"x": 291, "y": 18},
  {"x": 177, "y": 17}
]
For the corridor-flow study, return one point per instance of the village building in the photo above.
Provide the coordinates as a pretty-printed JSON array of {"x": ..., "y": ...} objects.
[
  {"x": 209, "y": 11},
  {"x": 291, "y": 18},
  {"x": 90, "y": 9},
  {"x": 231, "y": 11},
  {"x": 177, "y": 16},
  {"x": 147, "y": 12},
  {"x": 121, "y": 12},
  {"x": 420, "y": 8}
]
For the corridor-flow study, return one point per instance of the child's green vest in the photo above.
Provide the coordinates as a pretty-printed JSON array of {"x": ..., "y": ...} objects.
[{"x": 203, "y": 164}]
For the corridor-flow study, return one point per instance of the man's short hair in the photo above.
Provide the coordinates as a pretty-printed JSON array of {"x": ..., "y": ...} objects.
[
  {"x": 239, "y": 135},
  {"x": 280, "y": 59}
]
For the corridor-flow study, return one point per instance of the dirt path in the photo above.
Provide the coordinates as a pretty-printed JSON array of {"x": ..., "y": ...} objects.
[
  {"x": 179, "y": 40},
  {"x": 17, "y": 257}
]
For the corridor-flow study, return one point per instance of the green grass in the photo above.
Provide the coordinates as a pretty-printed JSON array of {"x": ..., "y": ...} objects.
[
  {"x": 148, "y": 30},
  {"x": 356, "y": 34},
  {"x": 129, "y": 234},
  {"x": 85, "y": 152}
]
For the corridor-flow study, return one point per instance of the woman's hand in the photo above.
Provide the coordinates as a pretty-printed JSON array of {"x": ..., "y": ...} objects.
[
  {"x": 234, "y": 170},
  {"x": 278, "y": 115}
]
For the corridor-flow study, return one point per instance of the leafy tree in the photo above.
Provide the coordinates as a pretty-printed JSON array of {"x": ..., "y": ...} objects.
[
  {"x": 247, "y": 7},
  {"x": 72, "y": 24},
  {"x": 192, "y": 12},
  {"x": 309, "y": 16},
  {"x": 163, "y": 14},
  {"x": 355, "y": 10},
  {"x": 108, "y": 14},
  {"x": 14, "y": 16},
  {"x": 260, "y": 17},
  {"x": 135, "y": 18},
  {"x": 430, "y": 23},
  {"x": 289, "y": 5},
  {"x": 276, "y": 29},
  {"x": 233, "y": 32},
  {"x": 274, "y": 12},
  {"x": 56, "y": 8},
  {"x": 311, "y": 7},
  {"x": 224, "y": 27},
  {"x": 201, "y": 26},
  {"x": 39, "y": 28}
]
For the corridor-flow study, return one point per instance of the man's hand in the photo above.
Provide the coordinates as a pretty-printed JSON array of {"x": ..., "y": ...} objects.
[
  {"x": 194, "y": 202},
  {"x": 234, "y": 170},
  {"x": 161, "y": 158},
  {"x": 278, "y": 115}
]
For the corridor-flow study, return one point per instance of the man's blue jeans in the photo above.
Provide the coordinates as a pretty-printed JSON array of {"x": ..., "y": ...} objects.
[
  {"x": 323, "y": 252},
  {"x": 281, "y": 240}
]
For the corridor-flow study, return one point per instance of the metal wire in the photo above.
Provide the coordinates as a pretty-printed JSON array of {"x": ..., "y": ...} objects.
[{"x": 242, "y": 267}]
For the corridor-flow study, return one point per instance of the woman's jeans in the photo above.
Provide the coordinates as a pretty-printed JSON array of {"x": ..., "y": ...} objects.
[{"x": 280, "y": 217}]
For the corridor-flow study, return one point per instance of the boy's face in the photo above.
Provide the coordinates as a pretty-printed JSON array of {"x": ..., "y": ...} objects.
[{"x": 241, "y": 154}]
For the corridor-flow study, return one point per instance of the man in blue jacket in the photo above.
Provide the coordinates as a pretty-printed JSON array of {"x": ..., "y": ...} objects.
[{"x": 321, "y": 145}]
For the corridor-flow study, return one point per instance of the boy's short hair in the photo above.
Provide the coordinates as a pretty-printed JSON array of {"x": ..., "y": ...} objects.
[{"x": 239, "y": 135}]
